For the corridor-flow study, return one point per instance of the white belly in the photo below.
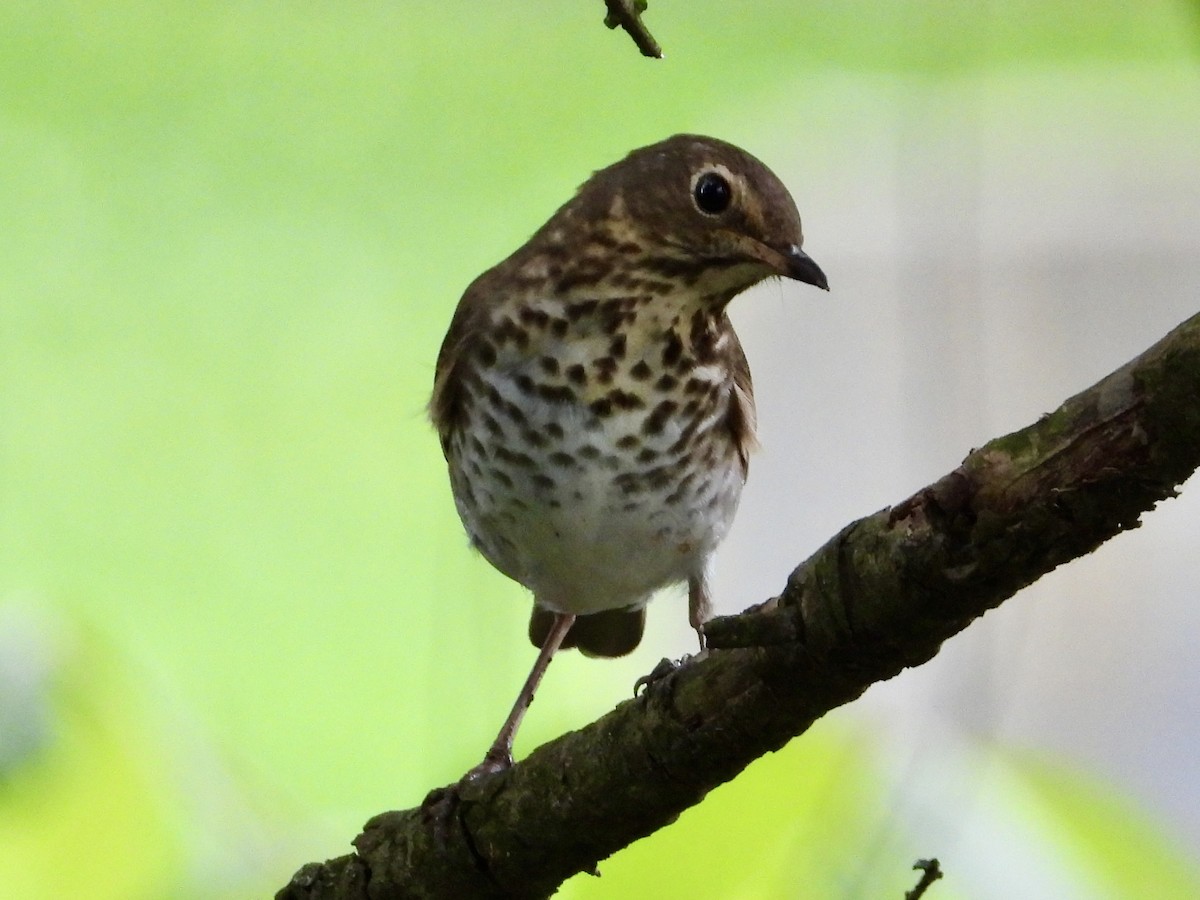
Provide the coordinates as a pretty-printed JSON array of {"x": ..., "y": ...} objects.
[{"x": 597, "y": 513}]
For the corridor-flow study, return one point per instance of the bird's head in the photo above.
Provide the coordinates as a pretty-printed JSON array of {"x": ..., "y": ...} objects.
[{"x": 701, "y": 210}]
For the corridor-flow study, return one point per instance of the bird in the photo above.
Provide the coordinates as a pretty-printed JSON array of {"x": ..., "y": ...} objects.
[{"x": 593, "y": 402}]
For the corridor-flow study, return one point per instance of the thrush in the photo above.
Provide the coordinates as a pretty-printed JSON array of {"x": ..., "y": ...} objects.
[{"x": 593, "y": 402}]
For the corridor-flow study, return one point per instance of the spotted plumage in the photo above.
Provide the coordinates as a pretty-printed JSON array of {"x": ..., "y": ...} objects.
[{"x": 593, "y": 402}]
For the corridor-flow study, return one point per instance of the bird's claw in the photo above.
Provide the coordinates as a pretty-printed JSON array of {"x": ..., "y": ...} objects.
[
  {"x": 665, "y": 668},
  {"x": 495, "y": 761}
]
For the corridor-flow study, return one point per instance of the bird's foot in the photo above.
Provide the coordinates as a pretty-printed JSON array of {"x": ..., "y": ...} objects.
[
  {"x": 497, "y": 759},
  {"x": 439, "y": 802},
  {"x": 664, "y": 669}
]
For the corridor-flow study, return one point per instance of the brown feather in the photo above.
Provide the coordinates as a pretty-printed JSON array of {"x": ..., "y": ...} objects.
[
  {"x": 612, "y": 633},
  {"x": 468, "y": 323},
  {"x": 743, "y": 420}
]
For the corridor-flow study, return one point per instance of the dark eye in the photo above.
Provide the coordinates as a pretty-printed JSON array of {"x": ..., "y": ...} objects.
[{"x": 712, "y": 193}]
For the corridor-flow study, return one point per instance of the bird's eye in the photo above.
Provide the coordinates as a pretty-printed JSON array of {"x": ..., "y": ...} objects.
[{"x": 712, "y": 193}]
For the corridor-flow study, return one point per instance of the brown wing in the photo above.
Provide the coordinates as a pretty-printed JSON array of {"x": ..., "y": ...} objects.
[
  {"x": 743, "y": 421},
  {"x": 461, "y": 340}
]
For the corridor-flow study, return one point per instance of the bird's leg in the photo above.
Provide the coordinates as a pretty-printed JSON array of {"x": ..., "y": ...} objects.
[
  {"x": 699, "y": 606},
  {"x": 699, "y": 612},
  {"x": 499, "y": 755}
]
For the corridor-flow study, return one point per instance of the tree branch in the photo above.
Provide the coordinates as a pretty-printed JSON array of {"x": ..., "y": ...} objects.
[
  {"x": 627, "y": 14},
  {"x": 882, "y": 595},
  {"x": 931, "y": 871}
]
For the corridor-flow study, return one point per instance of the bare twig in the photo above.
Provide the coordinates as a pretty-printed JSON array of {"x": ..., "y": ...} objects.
[
  {"x": 627, "y": 14},
  {"x": 930, "y": 872}
]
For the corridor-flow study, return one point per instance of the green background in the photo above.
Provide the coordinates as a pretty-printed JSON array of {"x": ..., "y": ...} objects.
[{"x": 239, "y": 607}]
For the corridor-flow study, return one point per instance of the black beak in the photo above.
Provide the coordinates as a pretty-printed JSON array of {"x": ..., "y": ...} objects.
[{"x": 802, "y": 268}]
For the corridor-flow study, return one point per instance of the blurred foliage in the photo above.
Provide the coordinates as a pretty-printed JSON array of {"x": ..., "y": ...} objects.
[
  {"x": 233, "y": 236},
  {"x": 91, "y": 815}
]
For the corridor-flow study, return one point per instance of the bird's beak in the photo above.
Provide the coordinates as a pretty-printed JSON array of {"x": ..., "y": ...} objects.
[
  {"x": 801, "y": 267},
  {"x": 788, "y": 260}
]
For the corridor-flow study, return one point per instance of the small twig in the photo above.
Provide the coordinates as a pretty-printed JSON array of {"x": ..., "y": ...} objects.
[
  {"x": 627, "y": 14},
  {"x": 930, "y": 872}
]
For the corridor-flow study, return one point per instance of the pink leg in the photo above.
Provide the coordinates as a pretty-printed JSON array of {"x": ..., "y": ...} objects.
[
  {"x": 699, "y": 605},
  {"x": 499, "y": 755}
]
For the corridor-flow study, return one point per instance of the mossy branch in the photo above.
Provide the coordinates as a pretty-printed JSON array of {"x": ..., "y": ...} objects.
[{"x": 881, "y": 596}]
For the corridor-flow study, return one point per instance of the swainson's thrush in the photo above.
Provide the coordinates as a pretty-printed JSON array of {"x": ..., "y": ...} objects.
[{"x": 593, "y": 402}]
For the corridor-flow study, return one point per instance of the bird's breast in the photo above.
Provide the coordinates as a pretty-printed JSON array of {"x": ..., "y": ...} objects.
[{"x": 596, "y": 465}]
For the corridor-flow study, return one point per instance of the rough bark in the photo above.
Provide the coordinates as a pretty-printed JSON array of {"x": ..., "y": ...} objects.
[{"x": 880, "y": 596}]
